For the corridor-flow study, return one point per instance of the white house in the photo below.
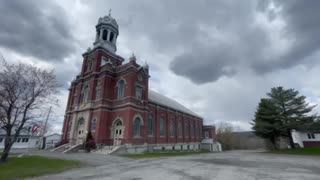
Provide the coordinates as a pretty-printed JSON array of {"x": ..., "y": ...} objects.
[
  {"x": 209, "y": 142},
  {"x": 25, "y": 140},
  {"x": 52, "y": 139},
  {"x": 306, "y": 138}
]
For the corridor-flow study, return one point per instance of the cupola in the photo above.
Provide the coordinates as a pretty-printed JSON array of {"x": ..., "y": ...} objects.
[{"x": 107, "y": 31}]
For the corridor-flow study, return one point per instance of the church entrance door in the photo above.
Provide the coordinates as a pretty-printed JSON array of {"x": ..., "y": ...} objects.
[
  {"x": 80, "y": 133},
  {"x": 117, "y": 133}
]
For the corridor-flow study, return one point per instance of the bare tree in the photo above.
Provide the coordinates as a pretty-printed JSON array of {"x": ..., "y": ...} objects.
[
  {"x": 225, "y": 135},
  {"x": 24, "y": 90}
]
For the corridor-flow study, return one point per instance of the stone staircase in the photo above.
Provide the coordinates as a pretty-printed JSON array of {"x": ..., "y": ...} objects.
[
  {"x": 61, "y": 148},
  {"x": 67, "y": 148},
  {"x": 107, "y": 150},
  {"x": 74, "y": 148}
]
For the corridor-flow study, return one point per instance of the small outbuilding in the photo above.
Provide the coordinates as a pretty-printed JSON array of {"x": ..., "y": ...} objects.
[
  {"x": 51, "y": 140},
  {"x": 306, "y": 138}
]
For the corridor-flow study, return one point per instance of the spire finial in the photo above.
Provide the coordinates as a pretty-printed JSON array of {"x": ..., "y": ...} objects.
[
  {"x": 146, "y": 65},
  {"x": 133, "y": 57},
  {"x": 110, "y": 12}
]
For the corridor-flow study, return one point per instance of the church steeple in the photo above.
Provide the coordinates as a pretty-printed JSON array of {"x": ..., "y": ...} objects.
[{"x": 107, "y": 32}]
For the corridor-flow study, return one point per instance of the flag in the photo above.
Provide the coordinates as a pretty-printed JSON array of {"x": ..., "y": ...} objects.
[{"x": 35, "y": 129}]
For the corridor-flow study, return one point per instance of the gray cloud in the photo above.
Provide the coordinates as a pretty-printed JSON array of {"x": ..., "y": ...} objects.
[
  {"x": 224, "y": 37},
  {"x": 194, "y": 64},
  {"x": 301, "y": 30},
  {"x": 35, "y": 28},
  {"x": 204, "y": 41},
  {"x": 207, "y": 39}
]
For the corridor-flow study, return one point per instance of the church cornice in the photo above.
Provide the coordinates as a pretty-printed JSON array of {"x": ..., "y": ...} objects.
[
  {"x": 94, "y": 49},
  {"x": 107, "y": 71},
  {"x": 111, "y": 108}
]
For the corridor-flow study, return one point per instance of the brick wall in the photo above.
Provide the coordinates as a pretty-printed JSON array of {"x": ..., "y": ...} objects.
[{"x": 108, "y": 108}]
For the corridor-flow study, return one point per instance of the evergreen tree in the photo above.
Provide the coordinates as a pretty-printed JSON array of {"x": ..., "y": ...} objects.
[
  {"x": 294, "y": 111},
  {"x": 266, "y": 122},
  {"x": 282, "y": 111},
  {"x": 89, "y": 137},
  {"x": 90, "y": 143}
]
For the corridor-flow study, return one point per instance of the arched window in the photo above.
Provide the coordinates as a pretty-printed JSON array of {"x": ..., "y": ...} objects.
[
  {"x": 199, "y": 126},
  {"x": 70, "y": 123},
  {"x": 136, "y": 127},
  {"x": 89, "y": 65},
  {"x": 162, "y": 126},
  {"x": 98, "y": 90},
  {"x": 196, "y": 129},
  {"x": 172, "y": 127},
  {"x": 121, "y": 87},
  {"x": 179, "y": 128},
  {"x": 98, "y": 34},
  {"x": 111, "y": 36},
  {"x": 81, "y": 122},
  {"x": 85, "y": 93},
  {"x": 118, "y": 123},
  {"x": 93, "y": 125},
  {"x": 139, "y": 92},
  {"x": 75, "y": 95},
  {"x": 186, "y": 128},
  {"x": 150, "y": 124},
  {"x": 104, "y": 35},
  {"x": 191, "y": 129}
]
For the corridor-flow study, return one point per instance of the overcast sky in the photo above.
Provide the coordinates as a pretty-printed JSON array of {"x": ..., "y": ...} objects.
[{"x": 216, "y": 57}]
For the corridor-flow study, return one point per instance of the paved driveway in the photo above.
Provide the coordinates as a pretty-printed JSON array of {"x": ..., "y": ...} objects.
[{"x": 235, "y": 165}]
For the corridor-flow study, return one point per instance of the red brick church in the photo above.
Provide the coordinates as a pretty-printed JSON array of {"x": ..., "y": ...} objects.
[{"x": 112, "y": 100}]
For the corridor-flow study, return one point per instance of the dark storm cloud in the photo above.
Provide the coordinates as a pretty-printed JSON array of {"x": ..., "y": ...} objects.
[
  {"x": 35, "y": 28},
  {"x": 194, "y": 64},
  {"x": 214, "y": 36},
  {"x": 302, "y": 28},
  {"x": 211, "y": 39}
]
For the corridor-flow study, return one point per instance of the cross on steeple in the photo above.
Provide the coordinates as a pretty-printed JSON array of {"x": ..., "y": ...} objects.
[
  {"x": 110, "y": 12},
  {"x": 133, "y": 57}
]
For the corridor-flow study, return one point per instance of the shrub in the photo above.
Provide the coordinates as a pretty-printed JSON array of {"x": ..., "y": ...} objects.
[{"x": 90, "y": 143}]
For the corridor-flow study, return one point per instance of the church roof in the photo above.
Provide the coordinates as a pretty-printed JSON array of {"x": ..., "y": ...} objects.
[{"x": 165, "y": 101}]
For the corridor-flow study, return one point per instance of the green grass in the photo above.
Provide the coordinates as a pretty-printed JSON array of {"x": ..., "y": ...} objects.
[
  {"x": 301, "y": 151},
  {"x": 19, "y": 168},
  {"x": 162, "y": 154}
]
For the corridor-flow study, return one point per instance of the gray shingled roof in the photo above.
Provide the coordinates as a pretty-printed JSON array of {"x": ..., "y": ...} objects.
[{"x": 165, "y": 101}]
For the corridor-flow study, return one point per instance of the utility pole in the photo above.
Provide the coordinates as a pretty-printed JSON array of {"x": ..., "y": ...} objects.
[{"x": 44, "y": 129}]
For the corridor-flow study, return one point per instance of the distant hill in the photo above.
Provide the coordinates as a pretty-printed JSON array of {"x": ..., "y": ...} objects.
[{"x": 247, "y": 140}]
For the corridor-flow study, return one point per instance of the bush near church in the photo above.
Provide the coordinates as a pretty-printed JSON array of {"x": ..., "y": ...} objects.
[{"x": 90, "y": 143}]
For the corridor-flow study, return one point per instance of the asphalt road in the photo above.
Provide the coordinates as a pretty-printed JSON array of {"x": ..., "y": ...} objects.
[{"x": 234, "y": 165}]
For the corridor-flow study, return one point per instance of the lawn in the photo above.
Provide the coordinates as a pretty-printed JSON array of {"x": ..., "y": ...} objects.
[
  {"x": 301, "y": 151},
  {"x": 19, "y": 168},
  {"x": 162, "y": 154}
]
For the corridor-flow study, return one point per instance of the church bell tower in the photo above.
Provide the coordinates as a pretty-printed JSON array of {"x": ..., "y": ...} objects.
[{"x": 107, "y": 31}]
